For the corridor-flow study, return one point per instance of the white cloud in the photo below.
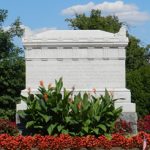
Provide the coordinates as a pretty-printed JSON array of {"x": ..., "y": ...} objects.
[
  {"x": 6, "y": 28},
  {"x": 78, "y": 9},
  {"x": 117, "y": 6},
  {"x": 29, "y": 32},
  {"x": 133, "y": 17},
  {"x": 129, "y": 13}
]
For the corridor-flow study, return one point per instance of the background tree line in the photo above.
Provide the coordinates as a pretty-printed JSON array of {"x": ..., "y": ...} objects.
[{"x": 12, "y": 65}]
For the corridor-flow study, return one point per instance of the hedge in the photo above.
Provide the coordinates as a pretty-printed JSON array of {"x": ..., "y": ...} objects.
[{"x": 64, "y": 141}]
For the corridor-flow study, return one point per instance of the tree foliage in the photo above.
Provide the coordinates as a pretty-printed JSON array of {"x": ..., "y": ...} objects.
[
  {"x": 95, "y": 22},
  {"x": 137, "y": 64},
  {"x": 139, "y": 83},
  {"x": 11, "y": 67},
  {"x": 137, "y": 55}
]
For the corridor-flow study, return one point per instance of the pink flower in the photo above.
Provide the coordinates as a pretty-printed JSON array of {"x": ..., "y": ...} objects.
[
  {"x": 94, "y": 90},
  {"x": 41, "y": 83}
]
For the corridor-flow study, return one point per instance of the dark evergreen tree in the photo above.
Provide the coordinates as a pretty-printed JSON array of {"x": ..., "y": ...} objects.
[{"x": 12, "y": 67}]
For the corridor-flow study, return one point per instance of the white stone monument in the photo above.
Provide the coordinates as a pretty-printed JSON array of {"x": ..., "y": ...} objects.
[{"x": 85, "y": 59}]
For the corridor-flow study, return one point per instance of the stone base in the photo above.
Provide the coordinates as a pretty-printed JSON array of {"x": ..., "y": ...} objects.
[
  {"x": 126, "y": 107},
  {"x": 122, "y": 94}
]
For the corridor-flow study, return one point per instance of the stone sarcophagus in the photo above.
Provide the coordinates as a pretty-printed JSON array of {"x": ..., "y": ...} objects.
[{"x": 86, "y": 59}]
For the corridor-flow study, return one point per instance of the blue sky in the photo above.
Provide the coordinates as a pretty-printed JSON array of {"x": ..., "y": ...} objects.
[{"x": 44, "y": 14}]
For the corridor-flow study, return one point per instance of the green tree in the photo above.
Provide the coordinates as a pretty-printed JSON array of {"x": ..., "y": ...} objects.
[
  {"x": 139, "y": 83},
  {"x": 12, "y": 68},
  {"x": 95, "y": 22},
  {"x": 137, "y": 55}
]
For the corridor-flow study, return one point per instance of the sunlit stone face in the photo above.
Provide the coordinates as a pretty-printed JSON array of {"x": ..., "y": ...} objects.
[
  {"x": 82, "y": 67},
  {"x": 86, "y": 59}
]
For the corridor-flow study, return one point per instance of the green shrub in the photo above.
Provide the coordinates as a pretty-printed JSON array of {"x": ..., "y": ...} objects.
[
  {"x": 8, "y": 107},
  {"x": 8, "y": 127},
  {"x": 143, "y": 124},
  {"x": 54, "y": 112}
]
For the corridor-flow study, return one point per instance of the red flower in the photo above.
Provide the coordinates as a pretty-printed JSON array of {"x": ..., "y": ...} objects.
[
  {"x": 45, "y": 97},
  {"x": 41, "y": 83},
  {"x": 144, "y": 124},
  {"x": 94, "y": 90},
  {"x": 64, "y": 141}
]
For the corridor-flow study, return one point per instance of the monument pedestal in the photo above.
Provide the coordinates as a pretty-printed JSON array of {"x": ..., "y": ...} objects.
[{"x": 86, "y": 59}]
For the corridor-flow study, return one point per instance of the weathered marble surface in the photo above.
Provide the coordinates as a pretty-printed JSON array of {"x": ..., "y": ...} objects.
[{"x": 85, "y": 59}]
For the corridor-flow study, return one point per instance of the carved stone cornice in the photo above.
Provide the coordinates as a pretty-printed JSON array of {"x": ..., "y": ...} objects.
[{"x": 75, "y": 37}]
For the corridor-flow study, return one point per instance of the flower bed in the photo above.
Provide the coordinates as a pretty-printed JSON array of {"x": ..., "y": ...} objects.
[
  {"x": 8, "y": 127},
  {"x": 67, "y": 142},
  {"x": 143, "y": 124}
]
